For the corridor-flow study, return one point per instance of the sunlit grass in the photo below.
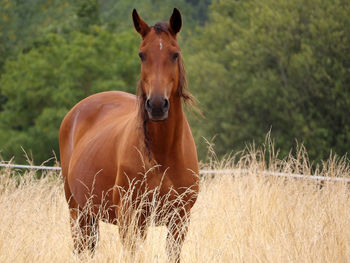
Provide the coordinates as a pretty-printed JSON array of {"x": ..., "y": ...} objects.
[{"x": 243, "y": 218}]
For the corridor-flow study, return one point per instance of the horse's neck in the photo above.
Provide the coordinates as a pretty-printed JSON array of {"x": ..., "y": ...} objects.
[{"x": 165, "y": 138}]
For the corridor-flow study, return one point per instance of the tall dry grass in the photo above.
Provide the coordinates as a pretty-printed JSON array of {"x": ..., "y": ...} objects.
[{"x": 243, "y": 218}]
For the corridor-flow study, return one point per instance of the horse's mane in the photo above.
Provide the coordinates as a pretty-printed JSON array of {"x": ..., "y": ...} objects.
[
  {"x": 141, "y": 100},
  {"x": 182, "y": 88}
]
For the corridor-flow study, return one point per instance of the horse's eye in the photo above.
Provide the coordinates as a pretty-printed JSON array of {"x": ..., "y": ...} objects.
[
  {"x": 175, "y": 56},
  {"x": 142, "y": 56}
]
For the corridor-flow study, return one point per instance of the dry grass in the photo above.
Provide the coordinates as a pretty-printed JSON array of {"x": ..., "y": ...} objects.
[{"x": 246, "y": 218}]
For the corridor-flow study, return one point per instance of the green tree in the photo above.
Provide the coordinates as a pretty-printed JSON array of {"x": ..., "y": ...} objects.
[
  {"x": 23, "y": 22},
  {"x": 87, "y": 13},
  {"x": 279, "y": 65}
]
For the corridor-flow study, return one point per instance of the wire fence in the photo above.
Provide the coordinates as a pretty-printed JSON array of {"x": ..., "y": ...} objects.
[
  {"x": 205, "y": 172},
  {"x": 30, "y": 167}
]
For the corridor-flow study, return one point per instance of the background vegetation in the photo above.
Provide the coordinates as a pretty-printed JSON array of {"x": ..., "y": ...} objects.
[{"x": 254, "y": 66}]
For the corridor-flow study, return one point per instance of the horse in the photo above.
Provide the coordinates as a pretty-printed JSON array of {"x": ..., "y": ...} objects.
[{"x": 113, "y": 143}]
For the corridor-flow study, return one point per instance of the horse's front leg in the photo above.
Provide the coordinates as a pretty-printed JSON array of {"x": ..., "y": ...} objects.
[
  {"x": 85, "y": 230},
  {"x": 177, "y": 231},
  {"x": 132, "y": 230},
  {"x": 84, "y": 225}
]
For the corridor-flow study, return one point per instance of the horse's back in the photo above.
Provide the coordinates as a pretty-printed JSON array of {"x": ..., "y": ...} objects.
[{"x": 90, "y": 124}]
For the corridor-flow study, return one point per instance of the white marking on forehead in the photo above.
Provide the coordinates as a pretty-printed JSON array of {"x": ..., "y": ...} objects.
[{"x": 160, "y": 44}]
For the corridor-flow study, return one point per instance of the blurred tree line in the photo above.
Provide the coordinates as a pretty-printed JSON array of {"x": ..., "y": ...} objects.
[{"x": 254, "y": 66}]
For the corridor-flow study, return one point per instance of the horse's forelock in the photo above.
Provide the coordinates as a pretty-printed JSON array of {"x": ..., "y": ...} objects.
[{"x": 161, "y": 27}]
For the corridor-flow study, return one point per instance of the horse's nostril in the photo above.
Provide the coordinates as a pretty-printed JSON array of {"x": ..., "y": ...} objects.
[
  {"x": 166, "y": 104},
  {"x": 148, "y": 104}
]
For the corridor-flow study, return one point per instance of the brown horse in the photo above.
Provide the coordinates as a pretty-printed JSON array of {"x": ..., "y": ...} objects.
[{"x": 113, "y": 143}]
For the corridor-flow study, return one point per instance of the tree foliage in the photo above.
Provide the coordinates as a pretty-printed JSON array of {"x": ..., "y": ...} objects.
[{"x": 275, "y": 65}]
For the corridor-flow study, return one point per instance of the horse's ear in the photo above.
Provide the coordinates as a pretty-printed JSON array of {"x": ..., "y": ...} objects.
[
  {"x": 140, "y": 25},
  {"x": 175, "y": 22}
]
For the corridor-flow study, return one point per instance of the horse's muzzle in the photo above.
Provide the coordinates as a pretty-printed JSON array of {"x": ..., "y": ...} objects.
[{"x": 157, "y": 108}]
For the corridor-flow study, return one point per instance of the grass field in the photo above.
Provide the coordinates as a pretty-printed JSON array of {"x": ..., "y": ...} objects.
[{"x": 246, "y": 218}]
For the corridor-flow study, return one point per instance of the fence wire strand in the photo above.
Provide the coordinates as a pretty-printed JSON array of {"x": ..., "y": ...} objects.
[{"x": 204, "y": 172}]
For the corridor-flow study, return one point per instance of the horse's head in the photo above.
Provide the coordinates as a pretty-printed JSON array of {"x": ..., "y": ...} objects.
[{"x": 160, "y": 65}]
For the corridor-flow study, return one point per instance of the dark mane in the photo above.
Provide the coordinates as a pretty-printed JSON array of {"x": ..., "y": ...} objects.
[
  {"x": 182, "y": 88},
  {"x": 141, "y": 100}
]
